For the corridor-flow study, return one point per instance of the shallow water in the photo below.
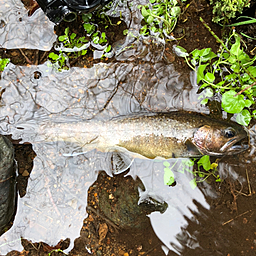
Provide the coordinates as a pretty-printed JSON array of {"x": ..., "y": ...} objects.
[{"x": 55, "y": 203}]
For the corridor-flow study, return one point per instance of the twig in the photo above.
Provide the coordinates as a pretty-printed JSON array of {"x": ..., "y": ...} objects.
[
  {"x": 153, "y": 248},
  {"x": 42, "y": 57},
  {"x": 89, "y": 208},
  {"x": 37, "y": 57},
  {"x": 248, "y": 181},
  {"x": 248, "y": 87},
  {"x": 26, "y": 58},
  {"x": 235, "y": 217},
  {"x": 75, "y": 60},
  {"x": 234, "y": 196},
  {"x": 249, "y": 186}
]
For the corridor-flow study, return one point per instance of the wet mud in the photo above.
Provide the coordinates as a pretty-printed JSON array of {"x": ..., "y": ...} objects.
[{"x": 72, "y": 205}]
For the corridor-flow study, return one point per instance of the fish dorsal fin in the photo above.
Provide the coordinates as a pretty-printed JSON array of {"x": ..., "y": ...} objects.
[{"x": 120, "y": 162}]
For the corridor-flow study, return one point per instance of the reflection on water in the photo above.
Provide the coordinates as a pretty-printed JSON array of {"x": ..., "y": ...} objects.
[{"x": 18, "y": 30}]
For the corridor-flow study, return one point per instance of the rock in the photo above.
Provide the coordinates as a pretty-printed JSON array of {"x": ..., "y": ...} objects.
[{"x": 7, "y": 183}]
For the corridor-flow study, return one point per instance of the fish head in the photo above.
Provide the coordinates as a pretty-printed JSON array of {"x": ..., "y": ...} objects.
[{"x": 221, "y": 138}]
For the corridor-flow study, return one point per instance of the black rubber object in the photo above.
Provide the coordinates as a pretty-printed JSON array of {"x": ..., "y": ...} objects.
[{"x": 58, "y": 10}]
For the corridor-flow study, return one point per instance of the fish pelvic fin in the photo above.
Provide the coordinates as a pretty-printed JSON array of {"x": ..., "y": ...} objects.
[{"x": 120, "y": 162}]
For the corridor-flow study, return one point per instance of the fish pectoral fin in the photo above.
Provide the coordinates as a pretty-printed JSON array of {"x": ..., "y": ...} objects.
[
  {"x": 192, "y": 149},
  {"x": 120, "y": 162}
]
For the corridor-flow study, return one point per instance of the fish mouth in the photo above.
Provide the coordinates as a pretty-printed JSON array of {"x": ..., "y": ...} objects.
[{"x": 235, "y": 146}]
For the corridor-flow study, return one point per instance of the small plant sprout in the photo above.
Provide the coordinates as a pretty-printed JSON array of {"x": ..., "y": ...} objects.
[
  {"x": 160, "y": 17},
  {"x": 3, "y": 63},
  {"x": 59, "y": 61},
  {"x": 204, "y": 170},
  {"x": 72, "y": 41}
]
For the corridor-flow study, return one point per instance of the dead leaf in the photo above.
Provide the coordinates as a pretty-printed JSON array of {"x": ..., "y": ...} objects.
[{"x": 103, "y": 230}]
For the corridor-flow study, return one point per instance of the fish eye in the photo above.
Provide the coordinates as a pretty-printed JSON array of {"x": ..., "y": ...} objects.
[{"x": 229, "y": 133}]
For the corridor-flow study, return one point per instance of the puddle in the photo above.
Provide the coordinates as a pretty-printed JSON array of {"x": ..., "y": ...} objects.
[{"x": 54, "y": 206}]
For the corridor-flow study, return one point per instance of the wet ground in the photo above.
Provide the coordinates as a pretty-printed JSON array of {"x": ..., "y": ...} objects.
[{"x": 72, "y": 204}]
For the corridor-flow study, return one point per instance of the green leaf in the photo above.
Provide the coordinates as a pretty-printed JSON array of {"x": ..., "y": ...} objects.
[
  {"x": 84, "y": 52},
  {"x": 209, "y": 77},
  {"x": 73, "y": 35},
  {"x": 195, "y": 53},
  {"x": 144, "y": 12},
  {"x": 244, "y": 117},
  {"x": 254, "y": 113},
  {"x": 235, "y": 67},
  {"x": 150, "y": 19},
  {"x": 248, "y": 103},
  {"x": 3, "y": 63},
  {"x": 108, "y": 48},
  {"x": 204, "y": 52},
  {"x": 232, "y": 59},
  {"x": 86, "y": 17},
  {"x": 89, "y": 28},
  {"x": 180, "y": 51},
  {"x": 232, "y": 104},
  {"x": 235, "y": 48},
  {"x": 54, "y": 56},
  {"x": 205, "y": 162},
  {"x": 208, "y": 92},
  {"x": 62, "y": 38},
  {"x": 168, "y": 176},
  {"x": 66, "y": 31},
  {"x": 204, "y": 101},
  {"x": 200, "y": 72},
  {"x": 252, "y": 70},
  {"x": 204, "y": 85},
  {"x": 193, "y": 183},
  {"x": 96, "y": 39},
  {"x": 175, "y": 11},
  {"x": 125, "y": 32}
]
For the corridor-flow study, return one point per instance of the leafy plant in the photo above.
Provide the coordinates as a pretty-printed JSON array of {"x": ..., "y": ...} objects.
[
  {"x": 160, "y": 16},
  {"x": 204, "y": 170},
  {"x": 231, "y": 73},
  {"x": 3, "y": 63},
  {"x": 59, "y": 61},
  {"x": 72, "y": 41},
  {"x": 99, "y": 38},
  {"x": 224, "y": 10},
  {"x": 56, "y": 250}
]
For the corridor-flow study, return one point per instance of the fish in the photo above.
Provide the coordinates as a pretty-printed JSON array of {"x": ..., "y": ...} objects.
[{"x": 176, "y": 134}]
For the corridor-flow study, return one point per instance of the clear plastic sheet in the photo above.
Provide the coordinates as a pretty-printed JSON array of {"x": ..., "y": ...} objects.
[
  {"x": 55, "y": 202},
  {"x": 18, "y": 30}
]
